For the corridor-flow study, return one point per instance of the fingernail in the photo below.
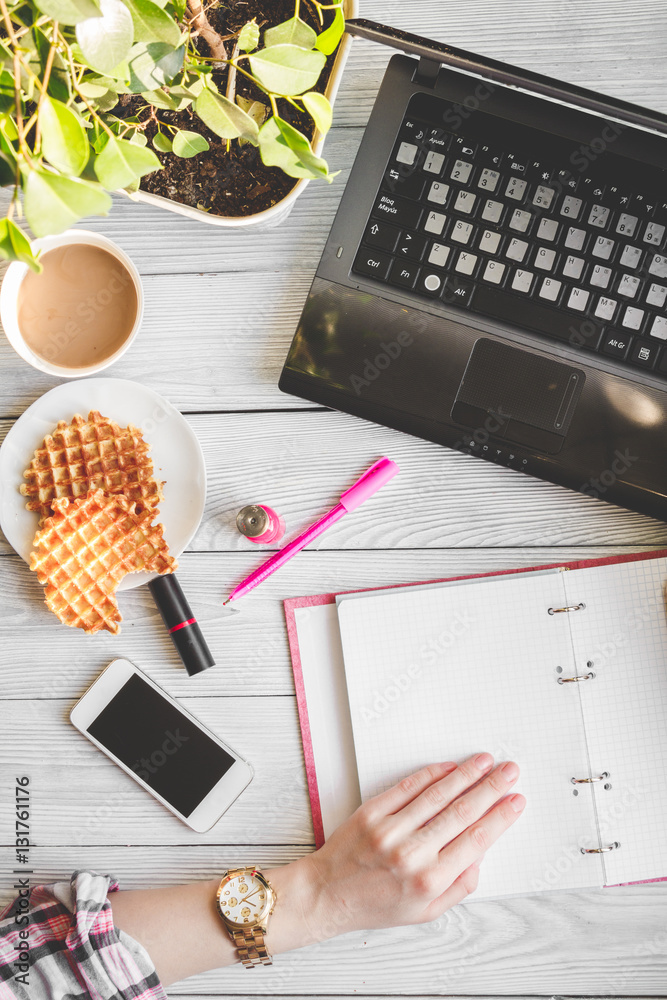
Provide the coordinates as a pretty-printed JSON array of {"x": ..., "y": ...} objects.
[
  {"x": 510, "y": 771},
  {"x": 517, "y": 803},
  {"x": 483, "y": 761}
]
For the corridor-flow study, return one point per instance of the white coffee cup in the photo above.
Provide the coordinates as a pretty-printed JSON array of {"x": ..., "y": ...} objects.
[{"x": 9, "y": 293}]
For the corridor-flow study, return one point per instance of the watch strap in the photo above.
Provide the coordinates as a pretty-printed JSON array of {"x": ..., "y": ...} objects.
[{"x": 251, "y": 947}]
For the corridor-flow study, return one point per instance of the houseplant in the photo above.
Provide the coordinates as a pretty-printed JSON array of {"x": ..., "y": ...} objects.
[{"x": 92, "y": 92}]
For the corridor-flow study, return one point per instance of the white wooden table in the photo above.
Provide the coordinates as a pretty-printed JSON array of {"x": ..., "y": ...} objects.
[{"x": 235, "y": 299}]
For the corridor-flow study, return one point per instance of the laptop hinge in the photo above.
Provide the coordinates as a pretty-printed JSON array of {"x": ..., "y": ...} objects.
[{"x": 427, "y": 72}]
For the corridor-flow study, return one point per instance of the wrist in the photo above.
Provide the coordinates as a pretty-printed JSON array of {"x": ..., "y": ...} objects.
[{"x": 304, "y": 913}]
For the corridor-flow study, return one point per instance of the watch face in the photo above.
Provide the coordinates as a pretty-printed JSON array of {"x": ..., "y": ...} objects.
[{"x": 244, "y": 899}]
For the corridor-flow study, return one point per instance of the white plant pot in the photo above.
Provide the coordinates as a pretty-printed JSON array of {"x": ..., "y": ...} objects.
[{"x": 273, "y": 216}]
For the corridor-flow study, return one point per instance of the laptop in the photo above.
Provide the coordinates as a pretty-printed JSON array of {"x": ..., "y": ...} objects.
[{"x": 495, "y": 279}]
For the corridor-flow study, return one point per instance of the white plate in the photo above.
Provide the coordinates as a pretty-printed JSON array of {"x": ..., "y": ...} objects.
[{"x": 175, "y": 451}]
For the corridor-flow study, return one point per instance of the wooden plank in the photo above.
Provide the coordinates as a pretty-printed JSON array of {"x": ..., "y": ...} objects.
[{"x": 250, "y": 649}]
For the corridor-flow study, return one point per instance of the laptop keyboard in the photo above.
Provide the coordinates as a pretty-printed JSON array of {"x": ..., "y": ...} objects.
[{"x": 579, "y": 256}]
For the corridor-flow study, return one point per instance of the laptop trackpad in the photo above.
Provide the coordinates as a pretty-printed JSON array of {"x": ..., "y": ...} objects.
[{"x": 517, "y": 396}]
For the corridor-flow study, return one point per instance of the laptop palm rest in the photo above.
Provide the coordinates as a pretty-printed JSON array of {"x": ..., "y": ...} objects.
[{"x": 517, "y": 396}]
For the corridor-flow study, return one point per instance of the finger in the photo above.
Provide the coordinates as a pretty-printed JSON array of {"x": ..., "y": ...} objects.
[
  {"x": 400, "y": 795},
  {"x": 476, "y": 840},
  {"x": 435, "y": 797},
  {"x": 460, "y": 888},
  {"x": 469, "y": 807}
]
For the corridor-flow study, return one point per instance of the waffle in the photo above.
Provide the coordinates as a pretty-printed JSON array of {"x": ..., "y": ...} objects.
[
  {"x": 85, "y": 549},
  {"x": 87, "y": 455}
]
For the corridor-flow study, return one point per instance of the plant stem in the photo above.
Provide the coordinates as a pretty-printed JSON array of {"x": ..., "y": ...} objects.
[
  {"x": 203, "y": 26},
  {"x": 75, "y": 83},
  {"x": 230, "y": 90},
  {"x": 47, "y": 73}
]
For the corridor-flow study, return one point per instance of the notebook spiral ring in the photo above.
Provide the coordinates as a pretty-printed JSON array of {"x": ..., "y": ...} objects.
[
  {"x": 600, "y": 850},
  {"x": 588, "y": 781},
  {"x": 571, "y": 607},
  {"x": 577, "y": 678}
]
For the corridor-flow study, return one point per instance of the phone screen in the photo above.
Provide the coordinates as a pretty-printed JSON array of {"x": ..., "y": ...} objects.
[{"x": 162, "y": 746}]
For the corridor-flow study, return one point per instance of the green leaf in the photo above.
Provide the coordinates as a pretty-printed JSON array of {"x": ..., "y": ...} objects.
[
  {"x": 64, "y": 140},
  {"x": 292, "y": 32},
  {"x": 248, "y": 36},
  {"x": 319, "y": 109},
  {"x": 162, "y": 142},
  {"x": 281, "y": 145},
  {"x": 327, "y": 40},
  {"x": 160, "y": 99},
  {"x": 139, "y": 139},
  {"x": 225, "y": 118},
  {"x": 15, "y": 245},
  {"x": 187, "y": 144},
  {"x": 106, "y": 41},
  {"x": 122, "y": 162},
  {"x": 152, "y": 24},
  {"x": 7, "y": 170},
  {"x": 154, "y": 65},
  {"x": 69, "y": 11},
  {"x": 287, "y": 69},
  {"x": 7, "y": 93},
  {"x": 59, "y": 85},
  {"x": 53, "y": 203}
]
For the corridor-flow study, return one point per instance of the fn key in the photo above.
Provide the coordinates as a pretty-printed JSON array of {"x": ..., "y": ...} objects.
[{"x": 373, "y": 263}]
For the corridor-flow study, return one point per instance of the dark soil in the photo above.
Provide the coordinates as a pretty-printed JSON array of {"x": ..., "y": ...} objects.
[{"x": 231, "y": 182}]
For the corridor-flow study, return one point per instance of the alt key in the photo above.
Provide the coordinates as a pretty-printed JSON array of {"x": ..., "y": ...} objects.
[{"x": 616, "y": 344}]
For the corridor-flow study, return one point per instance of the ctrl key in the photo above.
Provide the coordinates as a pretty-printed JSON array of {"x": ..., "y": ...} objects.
[{"x": 372, "y": 263}]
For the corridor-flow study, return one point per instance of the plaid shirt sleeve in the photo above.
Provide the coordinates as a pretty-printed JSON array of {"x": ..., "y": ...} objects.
[{"x": 69, "y": 948}]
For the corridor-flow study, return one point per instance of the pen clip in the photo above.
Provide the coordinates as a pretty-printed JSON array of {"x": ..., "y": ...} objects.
[{"x": 380, "y": 473}]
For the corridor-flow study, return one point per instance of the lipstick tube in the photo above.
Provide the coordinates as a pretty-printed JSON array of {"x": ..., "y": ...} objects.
[{"x": 181, "y": 623}]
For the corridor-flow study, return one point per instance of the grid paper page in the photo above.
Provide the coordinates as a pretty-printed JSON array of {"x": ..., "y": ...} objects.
[
  {"x": 623, "y": 631},
  {"x": 441, "y": 674}
]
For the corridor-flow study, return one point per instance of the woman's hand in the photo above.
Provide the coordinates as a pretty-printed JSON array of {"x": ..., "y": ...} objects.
[{"x": 404, "y": 857}]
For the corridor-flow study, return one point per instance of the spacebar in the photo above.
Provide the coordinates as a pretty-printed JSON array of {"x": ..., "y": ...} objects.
[{"x": 579, "y": 331}]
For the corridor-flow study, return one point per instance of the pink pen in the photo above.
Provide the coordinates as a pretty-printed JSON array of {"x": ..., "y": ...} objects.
[{"x": 370, "y": 483}]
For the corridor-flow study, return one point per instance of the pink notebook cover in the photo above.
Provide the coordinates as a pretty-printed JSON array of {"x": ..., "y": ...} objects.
[{"x": 292, "y": 603}]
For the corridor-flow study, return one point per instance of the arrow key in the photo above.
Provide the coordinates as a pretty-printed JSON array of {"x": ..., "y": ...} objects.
[
  {"x": 412, "y": 246},
  {"x": 381, "y": 235}
]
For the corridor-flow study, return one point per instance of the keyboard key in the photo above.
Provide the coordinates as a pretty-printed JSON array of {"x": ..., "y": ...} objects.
[
  {"x": 606, "y": 308},
  {"x": 628, "y": 286},
  {"x": 461, "y": 231},
  {"x": 547, "y": 230},
  {"x": 599, "y": 216},
  {"x": 616, "y": 345},
  {"x": 516, "y": 188},
  {"x": 374, "y": 263},
  {"x": 457, "y": 291},
  {"x": 575, "y": 238},
  {"x": 603, "y": 248},
  {"x": 466, "y": 263},
  {"x": 516, "y": 250},
  {"x": 644, "y": 353},
  {"x": 407, "y": 185},
  {"x": 438, "y": 193},
  {"x": 429, "y": 283},
  {"x": 489, "y": 241},
  {"x": 494, "y": 272},
  {"x": 461, "y": 171},
  {"x": 544, "y": 258},
  {"x": 413, "y": 130},
  {"x": 654, "y": 234},
  {"x": 381, "y": 236},
  {"x": 656, "y": 296},
  {"x": 411, "y": 245},
  {"x": 398, "y": 210},
  {"x": 571, "y": 207},
  {"x": 522, "y": 280},
  {"x": 438, "y": 140},
  {"x": 659, "y": 328},
  {"x": 534, "y": 316},
  {"x": 578, "y": 299},
  {"x": 520, "y": 220},
  {"x": 435, "y": 223},
  {"x": 407, "y": 153},
  {"x": 573, "y": 267},
  {"x": 404, "y": 274},
  {"x": 550, "y": 289},
  {"x": 626, "y": 225},
  {"x": 600, "y": 276},
  {"x": 488, "y": 180},
  {"x": 658, "y": 266},
  {"x": 434, "y": 162},
  {"x": 465, "y": 202},
  {"x": 465, "y": 147},
  {"x": 633, "y": 318},
  {"x": 630, "y": 256},
  {"x": 439, "y": 255},
  {"x": 493, "y": 211},
  {"x": 543, "y": 197}
]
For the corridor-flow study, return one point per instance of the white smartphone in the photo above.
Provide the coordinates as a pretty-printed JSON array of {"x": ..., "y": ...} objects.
[{"x": 165, "y": 749}]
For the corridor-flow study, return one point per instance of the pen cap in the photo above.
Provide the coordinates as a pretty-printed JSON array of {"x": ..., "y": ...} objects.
[
  {"x": 181, "y": 623},
  {"x": 370, "y": 482}
]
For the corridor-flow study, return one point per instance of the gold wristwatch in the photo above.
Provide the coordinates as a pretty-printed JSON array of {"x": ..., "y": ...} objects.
[{"x": 245, "y": 901}]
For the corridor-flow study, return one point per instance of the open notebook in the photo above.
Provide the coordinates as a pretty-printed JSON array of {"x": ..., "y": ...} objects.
[{"x": 438, "y": 672}]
